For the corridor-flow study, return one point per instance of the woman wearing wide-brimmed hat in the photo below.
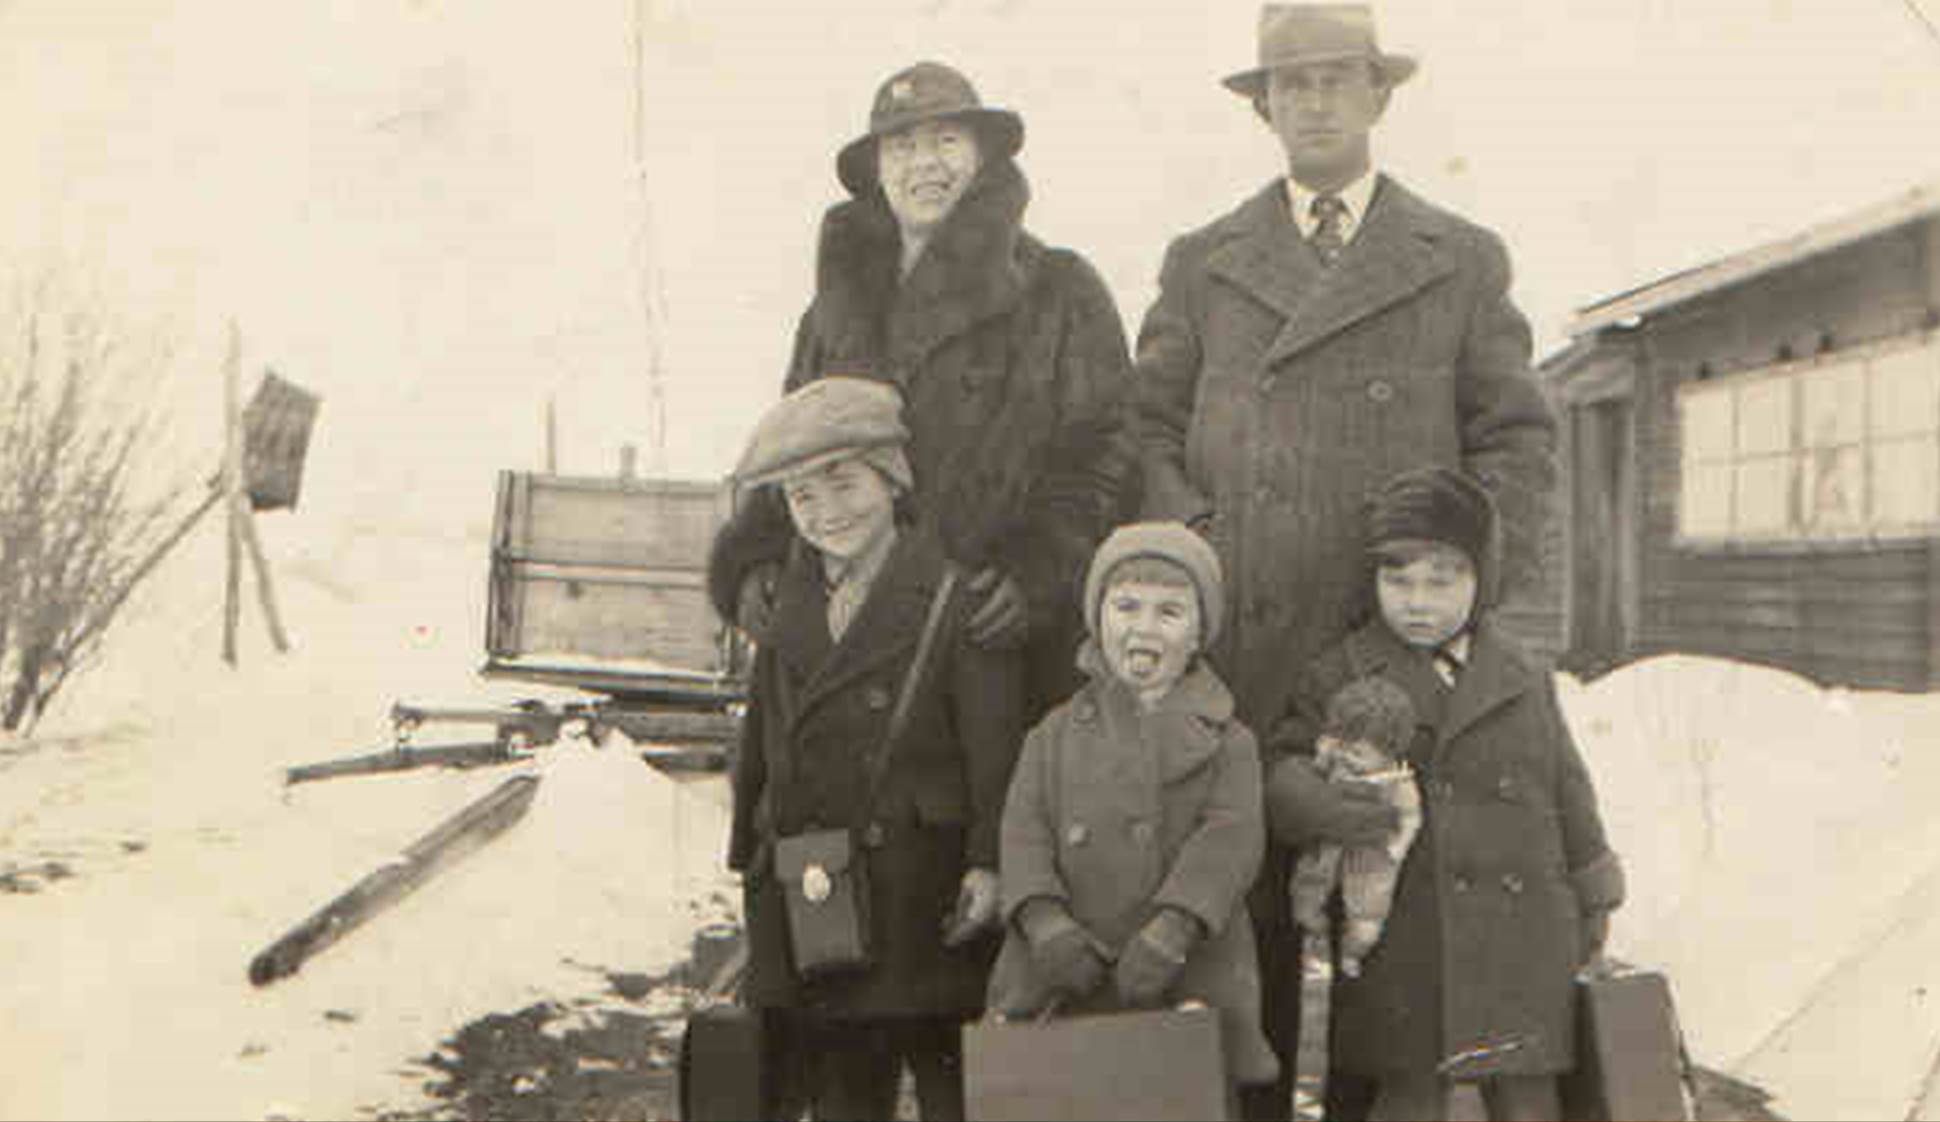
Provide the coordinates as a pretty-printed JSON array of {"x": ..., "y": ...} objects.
[{"x": 1010, "y": 354}]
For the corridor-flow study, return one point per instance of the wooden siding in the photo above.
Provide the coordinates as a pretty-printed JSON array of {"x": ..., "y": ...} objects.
[{"x": 1853, "y": 614}]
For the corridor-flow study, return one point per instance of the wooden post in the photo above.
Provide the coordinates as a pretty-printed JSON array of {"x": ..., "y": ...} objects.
[
  {"x": 452, "y": 839},
  {"x": 552, "y": 438},
  {"x": 265, "y": 591},
  {"x": 232, "y": 450}
]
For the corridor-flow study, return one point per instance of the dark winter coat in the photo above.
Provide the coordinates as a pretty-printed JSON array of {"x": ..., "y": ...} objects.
[
  {"x": 1276, "y": 393},
  {"x": 1012, "y": 359},
  {"x": 817, "y": 712},
  {"x": 1117, "y": 812},
  {"x": 1474, "y": 968}
]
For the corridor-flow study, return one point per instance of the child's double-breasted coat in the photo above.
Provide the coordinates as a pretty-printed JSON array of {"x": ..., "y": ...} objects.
[{"x": 1473, "y": 974}]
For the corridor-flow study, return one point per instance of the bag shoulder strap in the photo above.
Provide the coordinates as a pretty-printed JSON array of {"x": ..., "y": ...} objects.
[{"x": 912, "y": 681}]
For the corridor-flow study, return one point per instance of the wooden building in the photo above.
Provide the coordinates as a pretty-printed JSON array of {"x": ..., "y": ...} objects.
[{"x": 1751, "y": 460}]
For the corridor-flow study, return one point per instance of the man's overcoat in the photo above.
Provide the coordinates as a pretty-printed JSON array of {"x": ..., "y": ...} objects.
[{"x": 1276, "y": 393}]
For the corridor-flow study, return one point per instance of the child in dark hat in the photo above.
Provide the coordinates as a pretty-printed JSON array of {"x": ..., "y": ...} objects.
[
  {"x": 851, "y": 601},
  {"x": 1133, "y": 827},
  {"x": 1508, "y": 888}
]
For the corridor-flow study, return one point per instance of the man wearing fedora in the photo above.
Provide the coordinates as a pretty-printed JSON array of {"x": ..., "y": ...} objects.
[{"x": 1332, "y": 330}]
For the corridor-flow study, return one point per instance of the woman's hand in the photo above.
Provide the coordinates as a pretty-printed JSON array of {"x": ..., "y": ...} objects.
[
  {"x": 1002, "y": 619},
  {"x": 754, "y": 606},
  {"x": 976, "y": 908}
]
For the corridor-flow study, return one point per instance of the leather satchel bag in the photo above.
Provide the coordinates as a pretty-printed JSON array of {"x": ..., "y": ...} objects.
[{"x": 824, "y": 874}]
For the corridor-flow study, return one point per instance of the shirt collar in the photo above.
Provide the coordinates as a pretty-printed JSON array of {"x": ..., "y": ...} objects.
[
  {"x": 1356, "y": 195},
  {"x": 1457, "y": 648}
]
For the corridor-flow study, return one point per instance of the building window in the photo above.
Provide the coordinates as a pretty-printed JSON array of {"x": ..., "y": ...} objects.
[{"x": 1843, "y": 447}]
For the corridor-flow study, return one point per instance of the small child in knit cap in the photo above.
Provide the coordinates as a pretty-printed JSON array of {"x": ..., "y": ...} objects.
[
  {"x": 1370, "y": 724},
  {"x": 1134, "y": 824}
]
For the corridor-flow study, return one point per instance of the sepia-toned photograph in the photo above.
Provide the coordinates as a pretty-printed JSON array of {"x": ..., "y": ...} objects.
[{"x": 970, "y": 559}]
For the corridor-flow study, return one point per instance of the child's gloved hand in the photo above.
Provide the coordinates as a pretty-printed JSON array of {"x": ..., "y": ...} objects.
[
  {"x": 1063, "y": 952},
  {"x": 1304, "y": 808},
  {"x": 1152, "y": 960}
]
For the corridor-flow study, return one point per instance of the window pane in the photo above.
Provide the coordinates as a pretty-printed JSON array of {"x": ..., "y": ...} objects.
[
  {"x": 1906, "y": 391},
  {"x": 1835, "y": 404},
  {"x": 1704, "y": 509},
  {"x": 1834, "y": 489},
  {"x": 1906, "y": 482},
  {"x": 1764, "y": 495},
  {"x": 1707, "y": 423},
  {"x": 1765, "y": 416}
]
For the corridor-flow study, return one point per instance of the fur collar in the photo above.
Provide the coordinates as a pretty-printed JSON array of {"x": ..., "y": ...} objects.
[{"x": 972, "y": 269}]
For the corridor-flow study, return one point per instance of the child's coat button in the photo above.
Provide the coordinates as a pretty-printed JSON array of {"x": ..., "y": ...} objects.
[
  {"x": 1142, "y": 833},
  {"x": 1512, "y": 884},
  {"x": 876, "y": 697},
  {"x": 1077, "y": 834},
  {"x": 1379, "y": 391}
]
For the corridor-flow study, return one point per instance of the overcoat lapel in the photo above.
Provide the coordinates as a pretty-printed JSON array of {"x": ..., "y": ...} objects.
[
  {"x": 1493, "y": 678},
  {"x": 1395, "y": 254},
  {"x": 1266, "y": 258},
  {"x": 885, "y": 628}
]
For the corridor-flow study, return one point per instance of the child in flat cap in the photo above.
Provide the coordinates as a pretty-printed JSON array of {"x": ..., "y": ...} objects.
[
  {"x": 851, "y": 602},
  {"x": 1508, "y": 887},
  {"x": 1133, "y": 827}
]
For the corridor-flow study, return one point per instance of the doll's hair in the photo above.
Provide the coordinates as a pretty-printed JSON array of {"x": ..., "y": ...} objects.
[{"x": 1374, "y": 710}]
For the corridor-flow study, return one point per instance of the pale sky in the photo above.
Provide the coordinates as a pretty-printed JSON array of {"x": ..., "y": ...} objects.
[{"x": 427, "y": 212}]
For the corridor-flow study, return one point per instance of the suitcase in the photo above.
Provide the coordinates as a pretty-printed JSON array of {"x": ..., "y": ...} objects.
[
  {"x": 1629, "y": 1059},
  {"x": 1158, "y": 1064},
  {"x": 721, "y": 1065},
  {"x": 724, "y": 1071}
]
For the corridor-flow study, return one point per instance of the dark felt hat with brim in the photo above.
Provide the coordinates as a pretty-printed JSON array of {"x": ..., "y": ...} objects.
[
  {"x": 927, "y": 91},
  {"x": 1296, "y": 34}
]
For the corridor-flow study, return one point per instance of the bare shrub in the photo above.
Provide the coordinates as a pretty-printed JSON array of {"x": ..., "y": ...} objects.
[{"x": 80, "y": 507}]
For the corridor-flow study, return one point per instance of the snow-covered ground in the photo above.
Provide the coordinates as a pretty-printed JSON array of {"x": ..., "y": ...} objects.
[
  {"x": 158, "y": 784},
  {"x": 1784, "y": 863}
]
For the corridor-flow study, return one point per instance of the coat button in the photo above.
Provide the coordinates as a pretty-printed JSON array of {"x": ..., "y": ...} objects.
[
  {"x": 1084, "y": 711},
  {"x": 1379, "y": 391},
  {"x": 876, "y": 697},
  {"x": 1512, "y": 884},
  {"x": 1267, "y": 383},
  {"x": 872, "y": 835},
  {"x": 1263, "y": 493},
  {"x": 1142, "y": 833},
  {"x": 1460, "y": 883},
  {"x": 1076, "y": 834}
]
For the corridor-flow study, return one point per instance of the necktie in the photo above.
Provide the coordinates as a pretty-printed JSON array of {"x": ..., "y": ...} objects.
[{"x": 1329, "y": 237}]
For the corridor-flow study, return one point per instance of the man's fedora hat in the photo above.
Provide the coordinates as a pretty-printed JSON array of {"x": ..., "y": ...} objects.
[
  {"x": 1292, "y": 34},
  {"x": 927, "y": 91}
]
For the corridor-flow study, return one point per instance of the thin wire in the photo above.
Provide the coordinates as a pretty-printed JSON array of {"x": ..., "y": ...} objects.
[{"x": 1925, "y": 21}]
